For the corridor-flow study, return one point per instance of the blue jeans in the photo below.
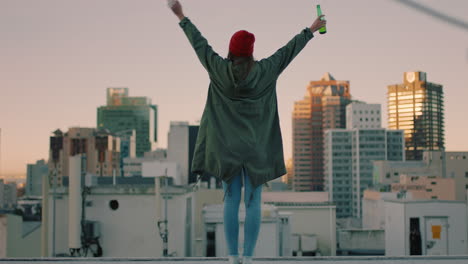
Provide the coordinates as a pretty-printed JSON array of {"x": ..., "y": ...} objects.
[{"x": 252, "y": 201}]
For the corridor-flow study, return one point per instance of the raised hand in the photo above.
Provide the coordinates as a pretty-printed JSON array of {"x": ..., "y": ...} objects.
[
  {"x": 318, "y": 23},
  {"x": 176, "y": 7}
]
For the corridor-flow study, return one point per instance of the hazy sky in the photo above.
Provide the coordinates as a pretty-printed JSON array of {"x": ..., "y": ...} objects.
[{"x": 57, "y": 57}]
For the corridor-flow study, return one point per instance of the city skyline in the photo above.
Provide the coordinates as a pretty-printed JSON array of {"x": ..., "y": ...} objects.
[{"x": 59, "y": 58}]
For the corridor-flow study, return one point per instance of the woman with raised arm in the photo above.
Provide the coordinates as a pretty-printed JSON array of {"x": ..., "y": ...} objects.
[{"x": 239, "y": 140}]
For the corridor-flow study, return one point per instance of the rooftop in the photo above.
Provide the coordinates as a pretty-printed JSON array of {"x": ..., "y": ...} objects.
[{"x": 314, "y": 260}]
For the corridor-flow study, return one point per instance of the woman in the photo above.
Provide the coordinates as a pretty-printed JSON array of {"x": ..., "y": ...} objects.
[{"x": 239, "y": 140}]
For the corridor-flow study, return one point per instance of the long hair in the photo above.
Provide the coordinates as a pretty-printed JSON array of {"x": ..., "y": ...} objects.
[{"x": 242, "y": 66}]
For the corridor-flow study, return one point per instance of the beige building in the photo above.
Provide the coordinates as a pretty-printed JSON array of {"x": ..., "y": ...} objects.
[
  {"x": 426, "y": 187},
  {"x": 102, "y": 151},
  {"x": 455, "y": 167},
  {"x": 323, "y": 107},
  {"x": 449, "y": 165}
]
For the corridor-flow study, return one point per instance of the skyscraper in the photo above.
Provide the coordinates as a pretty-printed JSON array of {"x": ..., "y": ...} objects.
[
  {"x": 124, "y": 113},
  {"x": 349, "y": 154},
  {"x": 417, "y": 107},
  {"x": 323, "y": 107}
]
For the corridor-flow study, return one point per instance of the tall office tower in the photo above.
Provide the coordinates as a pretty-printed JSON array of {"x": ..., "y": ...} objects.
[
  {"x": 125, "y": 113},
  {"x": 35, "y": 173},
  {"x": 417, "y": 107},
  {"x": 348, "y": 163},
  {"x": 102, "y": 151},
  {"x": 323, "y": 107}
]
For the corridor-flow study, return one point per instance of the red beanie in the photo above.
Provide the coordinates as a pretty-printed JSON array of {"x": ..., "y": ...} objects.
[{"x": 242, "y": 44}]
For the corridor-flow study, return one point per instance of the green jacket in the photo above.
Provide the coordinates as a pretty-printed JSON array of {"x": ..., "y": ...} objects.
[{"x": 240, "y": 123}]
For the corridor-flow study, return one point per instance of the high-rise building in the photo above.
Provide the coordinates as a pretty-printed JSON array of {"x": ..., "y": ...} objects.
[
  {"x": 102, "y": 150},
  {"x": 349, "y": 154},
  {"x": 125, "y": 113},
  {"x": 348, "y": 163},
  {"x": 323, "y": 107},
  {"x": 35, "y": 173},
  {"x": 417, "y": 107}
]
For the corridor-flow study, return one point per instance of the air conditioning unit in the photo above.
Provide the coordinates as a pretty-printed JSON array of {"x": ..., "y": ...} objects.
[{"x": 91, "y": 230}]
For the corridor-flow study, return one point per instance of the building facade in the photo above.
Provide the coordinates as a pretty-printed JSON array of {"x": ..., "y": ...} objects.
[
  {"x": 449, "y": 164},
  {"x": 123, "y": 113},
  {"x": 348, "y": 163},
  {"x": 430, "y": 227},
  {"x": 35, "y": 172},
  {"x": 181, "y": 141},
  {"x": 426, "y": 187},
  {"x": 323, "y": 107},
  {"x": 363, "y": 115},
  {"x": 8, "y": 195},
  {"x": 102, "y": 150},
  {"x": 417, "y": 107},
  {"x": 288, "y": 178}
]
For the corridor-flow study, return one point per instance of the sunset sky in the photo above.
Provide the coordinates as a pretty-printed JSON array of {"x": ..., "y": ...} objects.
[{"x": 57, "y": 57}]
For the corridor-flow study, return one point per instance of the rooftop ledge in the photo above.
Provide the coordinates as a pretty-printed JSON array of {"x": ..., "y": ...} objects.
[{"x": 286, "y": 260}]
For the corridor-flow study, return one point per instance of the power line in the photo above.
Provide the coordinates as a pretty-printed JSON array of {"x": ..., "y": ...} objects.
[{"x": 435, "y": 13}]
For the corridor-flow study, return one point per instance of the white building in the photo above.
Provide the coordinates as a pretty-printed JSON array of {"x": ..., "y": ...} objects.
[
  {"x": 180, "y": 148},
  {"x": 122, "y": 220},
  {"x": 274, "y": 239},
  {"x": 35, "y": 172},
  {"x": 363, "y": 115},
  {"x": 127, "y": 217},
  {"x": 133, "y": 166},
  {"x": 431, "y": 227},
  {"x": 163, "y": 168},
  {"x": 373, "y": 207},
  {"x": 348, "y": 156},
  {"x": 313, "y": 217}
]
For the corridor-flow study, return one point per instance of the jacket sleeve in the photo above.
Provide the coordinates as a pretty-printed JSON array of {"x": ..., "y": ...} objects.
[
  {"x": 208, "y": 58},
  {"x": 281, "y": 58}
]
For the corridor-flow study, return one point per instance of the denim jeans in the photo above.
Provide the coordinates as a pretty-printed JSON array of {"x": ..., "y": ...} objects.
[{"x": 252, "y": 201}]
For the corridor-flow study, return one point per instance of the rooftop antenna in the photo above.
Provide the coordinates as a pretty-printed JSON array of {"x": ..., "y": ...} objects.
[{"x": 164, "y": 233}]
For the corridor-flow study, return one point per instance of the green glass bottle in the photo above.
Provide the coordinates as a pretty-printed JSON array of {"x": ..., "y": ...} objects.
[{"x": 323, "y": 29}]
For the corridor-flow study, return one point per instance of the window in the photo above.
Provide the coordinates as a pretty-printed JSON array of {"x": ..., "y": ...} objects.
[
  {"x": 428, "y": 190},
  {"x": 433, "y": 197},
  {"x": 466, "y": 174},
  {"x": 433, "y": 183}
]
